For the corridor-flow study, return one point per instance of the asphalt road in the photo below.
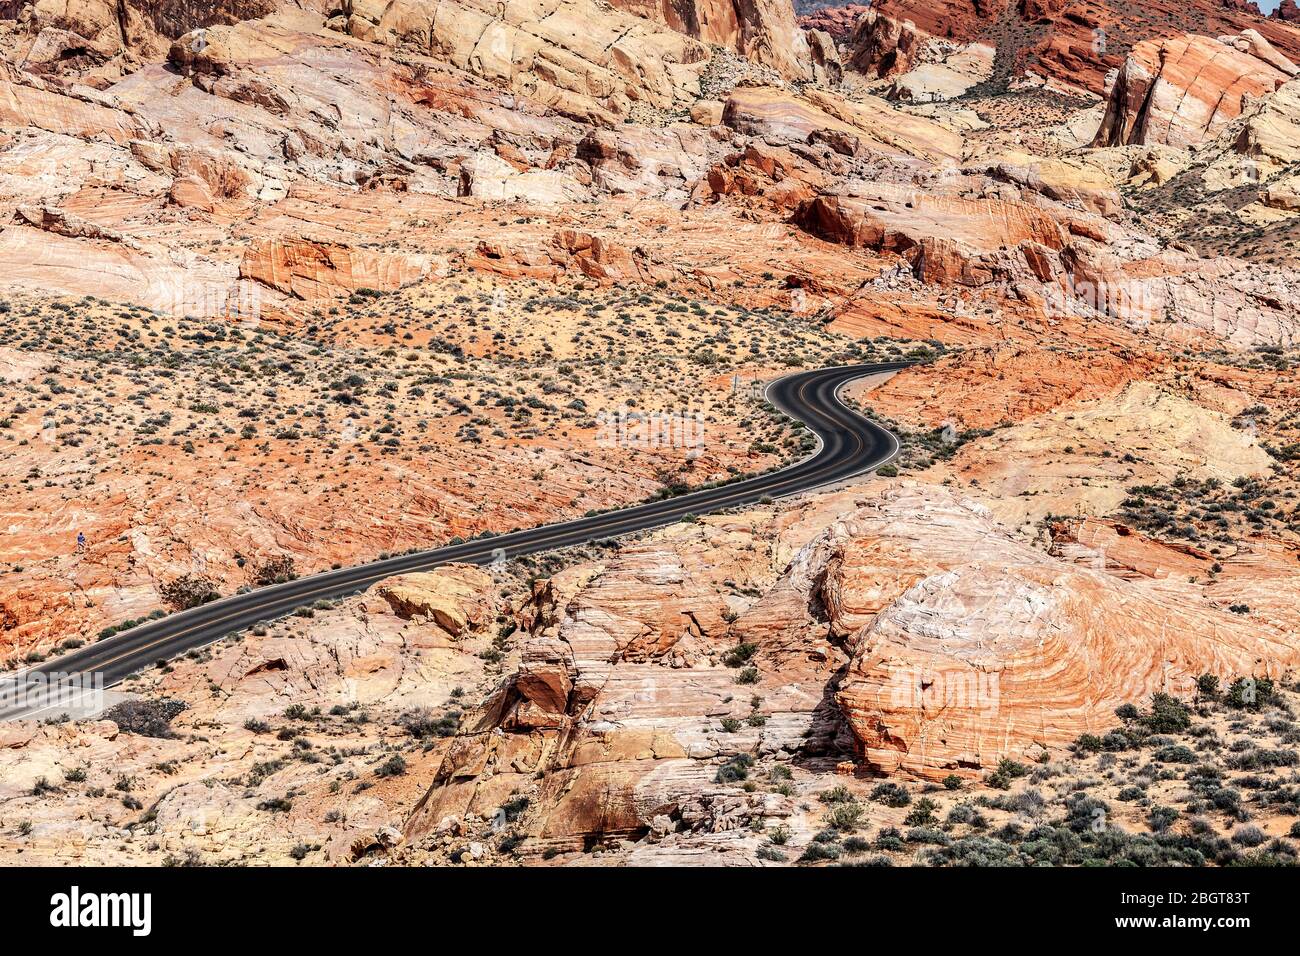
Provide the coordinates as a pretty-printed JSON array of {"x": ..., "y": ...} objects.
[{"x": 849, "y": 444}]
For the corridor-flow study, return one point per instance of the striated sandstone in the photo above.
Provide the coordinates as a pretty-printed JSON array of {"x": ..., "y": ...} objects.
[
  {"x": 307, "y": 269},
  {"x": 1183, "y": 91},
  {"x": 762, "y": 31},
  {"x": 786, "y": 117},
  {"x": 569, "y": 54},
  {"x": 960, "y": 641},
  {"x": 1270, "y": 135},
  {"x": 1072, "y": 47},
  {"x": 943, "y": 238}
]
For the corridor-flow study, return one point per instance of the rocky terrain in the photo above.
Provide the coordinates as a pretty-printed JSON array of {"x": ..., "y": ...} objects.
[{"x": 292, "y": 286}]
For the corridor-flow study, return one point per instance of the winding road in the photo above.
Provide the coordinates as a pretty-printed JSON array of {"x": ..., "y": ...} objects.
[{"x": 849, "y": 444}]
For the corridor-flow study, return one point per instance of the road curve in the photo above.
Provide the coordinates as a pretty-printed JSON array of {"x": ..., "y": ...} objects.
[{"x": 849, "y": 444}]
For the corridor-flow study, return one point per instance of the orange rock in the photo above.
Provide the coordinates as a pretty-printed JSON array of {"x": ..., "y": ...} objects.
[
  {"x": 1183, "y": 91},
  {"x": 316, "y": 270},
  {"x": 944, "y": 238}
]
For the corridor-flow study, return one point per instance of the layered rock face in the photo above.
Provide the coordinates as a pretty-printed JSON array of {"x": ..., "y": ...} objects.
[
  {"x": 944, "y": 239},
  {"x": 762, "y": 31},
  {"x": 996, "y": 650},
  {"x": 95, "y": 41},
  {"x": 960, "y": 645},
  {"x": 780, "y": 116},
  {"x": 401, "y": 670},
  {"x": 313, "y": 270},
  {"x": 1270, "y": 135},
  {"x": 1073, "y": 45},
  {"x": 836, "y": 22},
  {"x": 925, "y": 68},
  {"x": 1047, "y": 229},
  {"x": 565, "y": 53},
  {"x": 467, "y": 228},
  {"x": 1182, "y": 92}
]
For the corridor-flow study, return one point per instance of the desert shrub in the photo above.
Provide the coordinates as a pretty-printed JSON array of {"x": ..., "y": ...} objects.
[
  {"x": 1175, "y": 753},
  {"x": 1161, "y": 818},
  {"x": 1007, "y": 771},
  {"x": 845, "y": 816},
  {"x": 891, "y": 795},
  {"x": 739, "y": 655},
  {"x": 1085, "y": 814},
  {"x": 967, "y": 814},
  {"x": 1030, "y": 802},
  {"x": 927, "y": 835},
  {"x": 817, "y": 852},
  {"x": 394, "y": 766},
  {"x": 889, "y": 838},
  {"x": 856, "y": 844},
  {"x": 1088, "y": 744},
  {"x": 1168, "y": 715},
  {"x": 274, "y": 571},
  {"x": 836, "y": 794},
  {"x": 146, "y": 718},
  {"x": 1250, "y": 693},
  {"x": 422, "y": 723},
  {"x": 975, "y": 851},
  {"x": 922, "y": 813},
  {"x": 1260, "y": 757},
  {"x": 187, "y": 591},
  {"x": 513, "y": 809},
  {"x": 1249, "y": 835},
  {"x": 735, "y": 769}
]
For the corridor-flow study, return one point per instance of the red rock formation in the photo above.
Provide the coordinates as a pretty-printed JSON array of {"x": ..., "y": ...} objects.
[
  {"x": 763, "y": 31},
  {"x": 944, "y": 238},
  {"x": 836, "y": 22},
  {"x": 308, "y": 269},
  {"x": 1183, "y": 91},
  {"x": 882, "y": 46},
  {"x": 1076, "y": 43}
]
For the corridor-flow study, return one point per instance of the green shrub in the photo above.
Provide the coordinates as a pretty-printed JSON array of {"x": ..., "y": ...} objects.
[{"x": 891, "y": 795}]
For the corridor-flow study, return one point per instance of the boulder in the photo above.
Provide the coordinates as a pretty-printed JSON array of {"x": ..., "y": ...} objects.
[
  {"x": 1283, "y": 194},
  {"x": 455, "y": 598},
  {"x": 946, "y": 78}
]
